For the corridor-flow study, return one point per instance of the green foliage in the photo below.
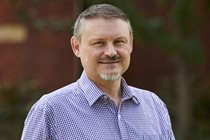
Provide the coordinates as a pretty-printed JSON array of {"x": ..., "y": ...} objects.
[
  {"x": 201, "y": 112},
  {"x": 181, "y": 40},
  {"x": 51, "y": 24},
  {"x": 200, "y": 98},
  {"x": 15, "y": 102},
  {"x": 176, "y": 32},
  {"x": 207, "y": 6},
  {"x": 28, "y": 16}
]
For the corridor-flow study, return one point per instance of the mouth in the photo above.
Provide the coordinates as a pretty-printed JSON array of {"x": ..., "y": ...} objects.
[{"x": 109, "y": 62}]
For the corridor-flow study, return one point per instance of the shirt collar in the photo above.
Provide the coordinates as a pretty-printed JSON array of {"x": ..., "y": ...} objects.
[
  {"x": 92, "y": 93},
  {"x": 127, "y": 93}
]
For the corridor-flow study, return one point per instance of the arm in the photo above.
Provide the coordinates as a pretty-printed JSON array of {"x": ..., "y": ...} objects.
[
  {"x": 164, "y": 117},
  {"x": 37, "y": 124}
]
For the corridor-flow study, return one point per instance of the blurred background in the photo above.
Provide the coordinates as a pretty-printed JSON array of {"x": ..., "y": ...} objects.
[{"x": 171, "y": 57}]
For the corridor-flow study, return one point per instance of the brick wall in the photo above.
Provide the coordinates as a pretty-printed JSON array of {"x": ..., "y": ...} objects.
[{"x": 45, "y": 56}]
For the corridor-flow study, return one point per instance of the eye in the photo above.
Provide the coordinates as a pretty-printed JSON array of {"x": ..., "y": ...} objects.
[
  {"x": 98, "y": 44},
  {"x": 120, "y": 42}
]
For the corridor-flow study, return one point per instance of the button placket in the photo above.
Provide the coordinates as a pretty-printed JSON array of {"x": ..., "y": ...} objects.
[
  {"x": 122, "y": 127},
  {"x": 119, "y": 116}
]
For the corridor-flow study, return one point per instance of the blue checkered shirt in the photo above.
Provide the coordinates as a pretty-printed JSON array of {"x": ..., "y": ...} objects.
[{"x": 82, "y": 111}]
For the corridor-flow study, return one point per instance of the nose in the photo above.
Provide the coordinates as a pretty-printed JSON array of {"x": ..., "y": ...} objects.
[{"x": 110, "y": 50}]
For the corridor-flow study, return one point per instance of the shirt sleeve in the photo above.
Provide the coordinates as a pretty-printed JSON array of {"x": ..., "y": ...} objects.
[
  {"x": 164, "y": 117},
  {"x": 168, "y": 123},
  {"x": 37, "y": 124}
]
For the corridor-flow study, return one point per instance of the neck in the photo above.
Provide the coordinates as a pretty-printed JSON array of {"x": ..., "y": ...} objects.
[{"x": 112, "y": 89}]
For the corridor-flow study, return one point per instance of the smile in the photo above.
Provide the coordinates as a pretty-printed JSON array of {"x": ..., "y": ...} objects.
[{"x": 109, "y": 62}]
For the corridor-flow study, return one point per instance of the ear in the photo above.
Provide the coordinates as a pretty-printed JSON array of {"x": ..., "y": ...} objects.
[
  {"x": 75, "y": 45},
  {"x": 131, "y": 42}
]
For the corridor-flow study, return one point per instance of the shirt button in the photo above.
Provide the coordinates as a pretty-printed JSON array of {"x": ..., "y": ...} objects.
[{"x": 105, "y": 97}]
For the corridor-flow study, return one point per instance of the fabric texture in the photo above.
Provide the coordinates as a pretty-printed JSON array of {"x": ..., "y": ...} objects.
[{"x": 82, "y": 111}]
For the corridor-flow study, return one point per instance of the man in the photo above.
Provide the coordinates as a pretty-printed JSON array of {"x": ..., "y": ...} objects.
[{"x": 100, "y": 105}]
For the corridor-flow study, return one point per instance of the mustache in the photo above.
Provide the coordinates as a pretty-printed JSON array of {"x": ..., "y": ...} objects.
[{"x": 110, "y": 58}]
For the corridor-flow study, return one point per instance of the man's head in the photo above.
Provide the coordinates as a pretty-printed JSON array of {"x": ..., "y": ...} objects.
[
  {"x": 105, "y": 11},
  {"x": 103, "y": 40}
]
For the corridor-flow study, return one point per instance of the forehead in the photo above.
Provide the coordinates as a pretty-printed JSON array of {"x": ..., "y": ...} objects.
[{"x": 101, "y": 26}]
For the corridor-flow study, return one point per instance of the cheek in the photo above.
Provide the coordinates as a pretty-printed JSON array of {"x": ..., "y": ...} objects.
[
  {"x": 90, "y": 56},
  {"x": 125, "y": 53},
  {"x": 95, "y": 54},
  {"x": 126, "y": 56}
]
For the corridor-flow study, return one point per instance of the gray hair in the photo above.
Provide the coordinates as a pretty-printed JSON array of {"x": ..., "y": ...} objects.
[{"x": 106, "y": 11}]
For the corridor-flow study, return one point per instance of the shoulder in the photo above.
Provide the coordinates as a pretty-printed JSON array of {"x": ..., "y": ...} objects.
[
  {"x": 57, "y": 96},
  {"x": 40, "y": 118},
  {"x": 150, "y": 102},
  {"x": 154, "y": 106}
]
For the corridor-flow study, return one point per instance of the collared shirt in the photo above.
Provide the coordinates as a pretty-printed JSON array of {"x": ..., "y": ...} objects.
[{"x": 82, "y": 111}]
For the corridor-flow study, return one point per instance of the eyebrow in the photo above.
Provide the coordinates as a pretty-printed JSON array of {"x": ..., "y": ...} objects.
[
  {"x": 95, "y": 39},
  {"x": 120, "y": 37}
]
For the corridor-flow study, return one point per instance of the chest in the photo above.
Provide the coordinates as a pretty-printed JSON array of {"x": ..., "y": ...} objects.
[{"x": 105, "y": 122}]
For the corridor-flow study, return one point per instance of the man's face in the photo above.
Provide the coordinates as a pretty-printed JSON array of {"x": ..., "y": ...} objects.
[{"x": 105, "y": 48}]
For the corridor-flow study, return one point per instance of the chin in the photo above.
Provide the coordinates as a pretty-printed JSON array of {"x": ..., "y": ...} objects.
[{"x": 110, "y": 77}]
